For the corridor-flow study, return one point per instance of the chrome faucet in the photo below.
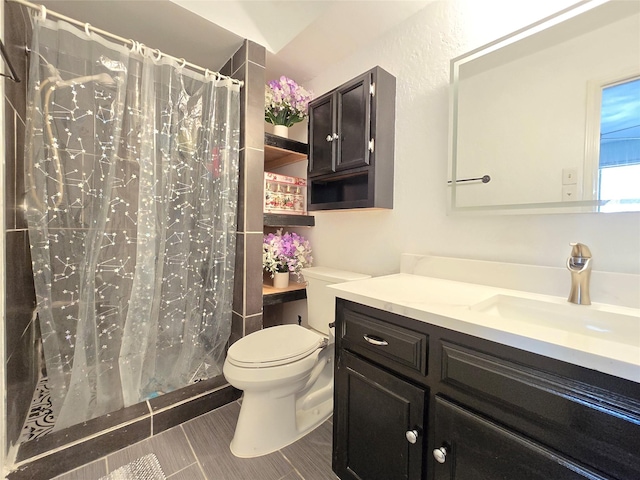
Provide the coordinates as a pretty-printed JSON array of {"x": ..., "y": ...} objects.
[{"x": 579, "y": 264}]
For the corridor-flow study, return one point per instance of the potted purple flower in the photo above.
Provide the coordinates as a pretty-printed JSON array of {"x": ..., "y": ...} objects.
[
  {"x": 283, "y": 254},
  {"x": 286, "y": 103}
]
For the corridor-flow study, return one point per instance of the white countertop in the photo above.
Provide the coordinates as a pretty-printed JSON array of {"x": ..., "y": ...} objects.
[{"x": 451, "y": 304}]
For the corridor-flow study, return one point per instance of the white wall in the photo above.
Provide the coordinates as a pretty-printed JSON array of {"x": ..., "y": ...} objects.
[{"x": 418, "y": 53}]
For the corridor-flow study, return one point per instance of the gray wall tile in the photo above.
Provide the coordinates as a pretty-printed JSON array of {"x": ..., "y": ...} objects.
[
  {"x": 254, "y": 92},
  {"x": 253, "y": 285},
  {"x": 257, "y": 53},
  {"x": 254, "y": 181}
]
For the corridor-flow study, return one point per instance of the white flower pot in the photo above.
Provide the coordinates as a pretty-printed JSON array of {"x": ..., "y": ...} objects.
[
  {"x": 281, "y": 280},
  {"x": 281, "y": 131}
]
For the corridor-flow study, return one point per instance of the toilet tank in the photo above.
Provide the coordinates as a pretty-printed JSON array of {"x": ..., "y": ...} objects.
[{"x": 321, "y": 301}]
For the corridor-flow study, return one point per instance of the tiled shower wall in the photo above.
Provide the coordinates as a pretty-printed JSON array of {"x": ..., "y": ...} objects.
[
  {"x": 21, "y": 329},
  {"x": 248, "y": 64},
  {"x": 22, "y": 335}
]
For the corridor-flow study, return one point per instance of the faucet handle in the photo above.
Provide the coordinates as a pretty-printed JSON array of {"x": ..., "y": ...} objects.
[{"x": 580, "y": 250}]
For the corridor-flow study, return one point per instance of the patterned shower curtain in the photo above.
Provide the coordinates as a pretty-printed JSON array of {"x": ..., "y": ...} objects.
[{"x": 131, "y": 171}]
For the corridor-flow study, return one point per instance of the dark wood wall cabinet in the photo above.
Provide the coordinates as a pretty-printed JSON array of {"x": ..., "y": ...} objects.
[
  {"x": 416, "y": 401},
  {"x": 351, "y": 144}
]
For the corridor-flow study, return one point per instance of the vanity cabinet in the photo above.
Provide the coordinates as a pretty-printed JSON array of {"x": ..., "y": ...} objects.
[
  {"x": 351, "y": 144},
  {"x": 372, "y": 442},
  {"x": 476, "y": 448},
  {"x": 379, "y": 417},
  {"x": 489, "y": 411}
]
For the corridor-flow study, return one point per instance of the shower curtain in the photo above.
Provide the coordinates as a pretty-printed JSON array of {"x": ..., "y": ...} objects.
[{"x": 131, "y": 172}]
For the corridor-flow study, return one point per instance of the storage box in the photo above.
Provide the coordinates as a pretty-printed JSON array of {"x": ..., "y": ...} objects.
[{"x": 284, "y": 194}]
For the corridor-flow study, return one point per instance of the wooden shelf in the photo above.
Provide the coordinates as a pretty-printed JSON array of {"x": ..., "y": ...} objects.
[
  {"x": 284, "y": 220},
  {"x": 279, "y": 151},
  {"x": 272, "y": 296}
]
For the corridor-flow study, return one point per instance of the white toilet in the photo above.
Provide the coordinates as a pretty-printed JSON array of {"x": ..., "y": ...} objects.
[{"x": 286, "y": 372}]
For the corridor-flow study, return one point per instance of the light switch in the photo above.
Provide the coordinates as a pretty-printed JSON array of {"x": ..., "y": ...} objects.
[
  {"x": 569, "y": 176},
  {"x": 569, "y": 193}
]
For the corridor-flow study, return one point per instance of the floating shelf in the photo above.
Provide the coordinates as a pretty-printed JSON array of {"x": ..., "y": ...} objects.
[
  {"x": 279, "y": 151},
  {"x": 284, "y": 220},
  {"x": 273, "y": 296}
]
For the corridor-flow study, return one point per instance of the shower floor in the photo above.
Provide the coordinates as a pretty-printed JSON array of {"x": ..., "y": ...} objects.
[{"x": 40, "y": 420}]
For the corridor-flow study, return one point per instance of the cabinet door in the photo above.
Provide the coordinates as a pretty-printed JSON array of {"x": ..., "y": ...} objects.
[
  {"x": 478, "y": 449},
  {"x": 373, "y": 412},
  {"x": 354, "y": 123},
  {"x": 322, "y": 144}
]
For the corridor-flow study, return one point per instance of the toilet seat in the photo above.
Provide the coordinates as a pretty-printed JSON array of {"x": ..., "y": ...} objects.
[{"x": 273, "y": 346}]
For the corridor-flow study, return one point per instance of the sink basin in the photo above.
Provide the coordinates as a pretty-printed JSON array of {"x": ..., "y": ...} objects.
[{"x": 617, "y": 324}]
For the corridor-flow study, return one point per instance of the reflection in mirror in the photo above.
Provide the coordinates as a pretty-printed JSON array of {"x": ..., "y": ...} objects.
[
  {"x": 619, "y": 159},
  {"x": 526, "y": 110}
]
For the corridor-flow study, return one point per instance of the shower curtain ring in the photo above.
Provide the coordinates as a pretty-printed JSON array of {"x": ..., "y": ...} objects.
[
  {"x": 141, "y": 47},
  {"x": 206, "y": 73},
  {"x": 132, "y": 49},
  {"x": 182, "y": 65},
  {"x": 157, "y": 59},
  {"x": 43, "y": 12},
  {"x": 87, "y": 29}
]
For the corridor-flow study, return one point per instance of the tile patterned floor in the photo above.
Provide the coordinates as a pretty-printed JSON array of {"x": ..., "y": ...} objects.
[
  {"x": 199, "y": 450},
  {"x": 40, "y": 420}
]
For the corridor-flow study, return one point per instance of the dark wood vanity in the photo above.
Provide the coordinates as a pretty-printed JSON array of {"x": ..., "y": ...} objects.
[{"x": 418, "y": 401}]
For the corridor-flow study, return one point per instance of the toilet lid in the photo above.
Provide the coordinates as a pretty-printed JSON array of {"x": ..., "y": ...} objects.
[{"x": 273, "y": 346}]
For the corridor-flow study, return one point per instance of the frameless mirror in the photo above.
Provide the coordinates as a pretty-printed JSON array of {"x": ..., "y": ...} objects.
[{"x": 548, "y": 119}]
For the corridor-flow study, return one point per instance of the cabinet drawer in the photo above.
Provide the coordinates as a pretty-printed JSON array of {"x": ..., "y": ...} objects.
[
  {"x": 391, "y": 345},
  {"x": 590, "y": 423}
]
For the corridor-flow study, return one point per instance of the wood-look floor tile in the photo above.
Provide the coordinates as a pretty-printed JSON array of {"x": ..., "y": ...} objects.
[
  {"x": 192, "y": 472},
  {"x": 171, "y": 448},
  {"x": 95, "y": 470},
  {"x": 311, "y": 455},
  {"x": 210, "y": 436},
  {"x": 293, "y": 475}
]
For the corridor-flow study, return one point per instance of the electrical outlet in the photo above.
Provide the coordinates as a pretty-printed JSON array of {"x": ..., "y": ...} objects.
[
  {"x": 569, "y": 176},
  {"x": 569, "y": 193}
]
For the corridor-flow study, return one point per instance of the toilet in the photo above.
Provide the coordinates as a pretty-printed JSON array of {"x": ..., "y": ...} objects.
[{"x": 286, "y": 372}]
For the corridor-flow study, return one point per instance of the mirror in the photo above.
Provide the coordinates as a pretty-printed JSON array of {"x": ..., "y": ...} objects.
[{"x": 537, "y": 113}]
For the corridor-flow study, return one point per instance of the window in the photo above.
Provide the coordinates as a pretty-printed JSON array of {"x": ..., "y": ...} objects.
[{"x": 619, "y": 160}]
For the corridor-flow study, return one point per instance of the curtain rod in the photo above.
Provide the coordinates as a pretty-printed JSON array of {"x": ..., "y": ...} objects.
[{"x": 127, "y": 41}]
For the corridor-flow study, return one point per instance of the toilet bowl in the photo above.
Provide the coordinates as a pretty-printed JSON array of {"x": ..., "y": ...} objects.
[{"x": 286, "y": 373}]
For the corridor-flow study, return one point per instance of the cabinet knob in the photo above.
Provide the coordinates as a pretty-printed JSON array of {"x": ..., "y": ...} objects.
[
  {"x": 440, "y": 454},
  {"x": 329, "y": 138},
  {"x": 412, "y": 435},
  {"x": 336, "y": 136}
]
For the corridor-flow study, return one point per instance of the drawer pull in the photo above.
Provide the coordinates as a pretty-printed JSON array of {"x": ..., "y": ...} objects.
[
  {"x": 440, "y": 454},
  {"x": 375, "y": 340}
]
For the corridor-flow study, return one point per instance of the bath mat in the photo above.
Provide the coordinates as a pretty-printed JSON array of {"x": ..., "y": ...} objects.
[{"x": 144, "y": 468}]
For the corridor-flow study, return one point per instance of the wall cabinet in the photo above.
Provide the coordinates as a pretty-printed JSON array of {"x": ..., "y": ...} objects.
[
  {"x": 477, "y": 410},
  {"x": 351, "y": 144}
]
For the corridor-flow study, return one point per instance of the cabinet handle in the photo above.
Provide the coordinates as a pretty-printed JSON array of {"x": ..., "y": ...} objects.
[
  {"x": 329, "y": 138},
  {"x": 375, "y": 340},
  {"x": 440, "y": 454},
  {"x": 412, "y": 435}
]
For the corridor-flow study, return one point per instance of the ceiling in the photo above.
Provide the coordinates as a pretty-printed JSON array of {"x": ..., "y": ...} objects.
[{"x": 302, "y": 37}]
